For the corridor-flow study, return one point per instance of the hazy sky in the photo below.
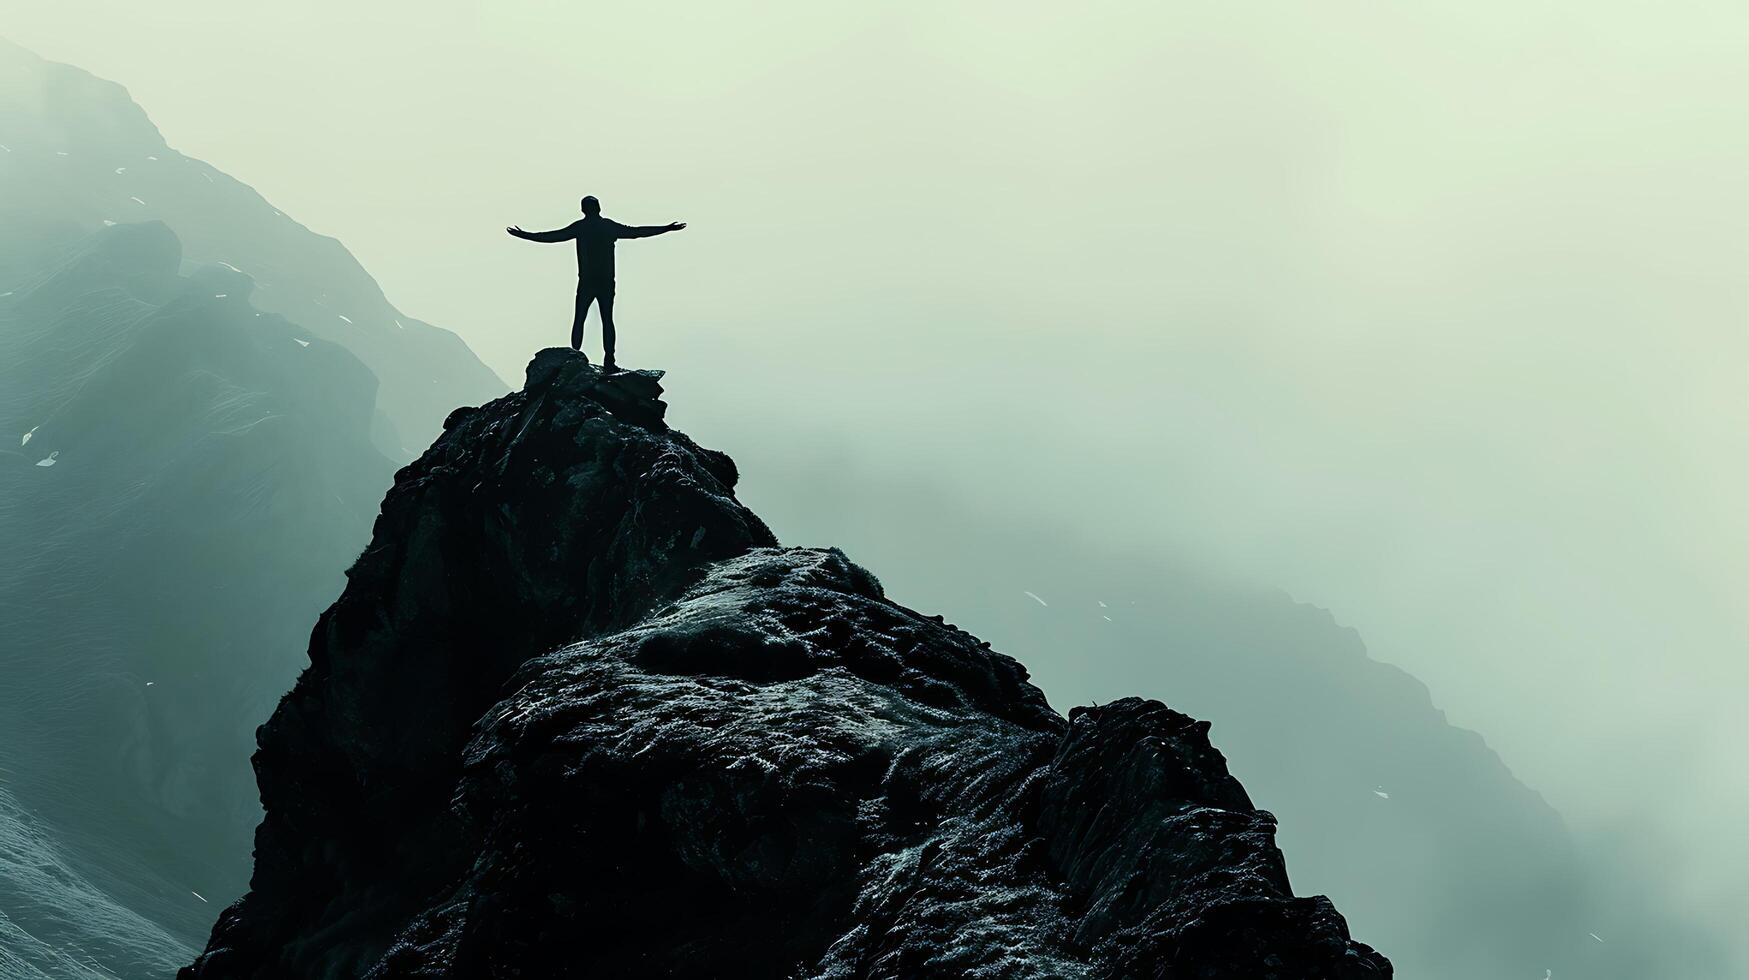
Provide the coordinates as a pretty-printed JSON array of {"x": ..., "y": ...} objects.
[{"x": 1429, "y": 313}]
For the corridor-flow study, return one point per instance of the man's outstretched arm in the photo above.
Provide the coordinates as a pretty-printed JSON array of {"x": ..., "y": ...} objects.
[
  {"x": 648, "y": 231},
  {"x": 564, "y": 234}
]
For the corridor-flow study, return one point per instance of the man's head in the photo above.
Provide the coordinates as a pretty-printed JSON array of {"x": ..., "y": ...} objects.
[{"x": 591, "y": 206}]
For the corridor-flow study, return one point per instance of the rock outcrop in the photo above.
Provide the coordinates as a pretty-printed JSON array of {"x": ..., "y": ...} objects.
[{"x": 577, "y": 714}]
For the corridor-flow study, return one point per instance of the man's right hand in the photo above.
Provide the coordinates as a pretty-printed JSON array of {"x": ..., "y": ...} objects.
[{"x": 516, "y": 230}]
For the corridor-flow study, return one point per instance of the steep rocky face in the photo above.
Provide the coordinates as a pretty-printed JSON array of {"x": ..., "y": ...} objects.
[{"x": 577, "y": 714}]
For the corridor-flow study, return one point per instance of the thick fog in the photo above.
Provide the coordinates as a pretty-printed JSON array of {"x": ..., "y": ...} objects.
[{"x": 1429, "y": 314}]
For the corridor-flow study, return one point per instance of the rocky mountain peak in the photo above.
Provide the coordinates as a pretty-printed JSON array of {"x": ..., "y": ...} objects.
[{"x": 577, "y": 713}]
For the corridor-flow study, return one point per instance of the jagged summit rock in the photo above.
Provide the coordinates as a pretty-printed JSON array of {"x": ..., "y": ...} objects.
[
  {"x": 578, "y": 714},
  {"x": 635, "y": 396}
]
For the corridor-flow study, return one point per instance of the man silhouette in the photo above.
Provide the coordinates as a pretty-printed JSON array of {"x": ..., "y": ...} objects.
[{"x": 595, "y": 236}]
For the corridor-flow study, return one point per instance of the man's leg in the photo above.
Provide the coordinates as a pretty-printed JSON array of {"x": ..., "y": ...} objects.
[
  {"x": 584, "y": 296},
  {"x": 607, "y": 325}
]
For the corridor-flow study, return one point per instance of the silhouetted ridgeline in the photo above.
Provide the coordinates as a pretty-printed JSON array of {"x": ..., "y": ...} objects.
[{"x": 577, "y": 714}]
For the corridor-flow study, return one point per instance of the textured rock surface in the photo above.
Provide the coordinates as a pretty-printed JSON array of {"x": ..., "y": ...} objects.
[{"x": 576, "y": 714}]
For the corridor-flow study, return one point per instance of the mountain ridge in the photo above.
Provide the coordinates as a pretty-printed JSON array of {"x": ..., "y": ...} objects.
[
  {"x": 187, "y": 477},
  {"x": 81, "y": 154}
]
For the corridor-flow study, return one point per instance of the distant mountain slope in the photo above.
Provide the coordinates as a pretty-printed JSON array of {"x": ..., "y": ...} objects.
[
  {"x": 56, "y": 925},
  {"x": 79, "y": 153},
  {"x": 199, "y": 404},
  {"x": 182, "y": 480}
]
